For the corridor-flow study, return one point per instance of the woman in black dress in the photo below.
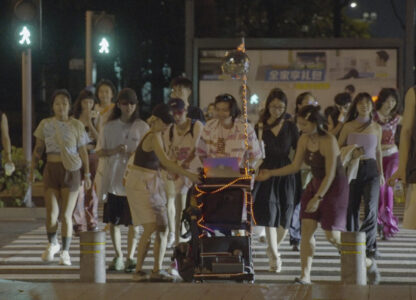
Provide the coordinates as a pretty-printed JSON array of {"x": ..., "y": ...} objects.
[{"x": 274, "y": 198}]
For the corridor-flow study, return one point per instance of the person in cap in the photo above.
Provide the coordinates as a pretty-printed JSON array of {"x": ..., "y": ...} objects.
[
  {"x": 180, "y": 140},
  {"x": 146, "y": 195},
  {"x": 118, "y": 140}
]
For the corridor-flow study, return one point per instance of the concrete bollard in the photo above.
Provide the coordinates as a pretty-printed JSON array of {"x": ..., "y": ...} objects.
[
  {"x": 353, "y": 264},
  {"x": 92, "y": 256}
]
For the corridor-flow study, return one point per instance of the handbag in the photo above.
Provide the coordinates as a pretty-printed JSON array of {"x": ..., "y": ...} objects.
[{"x": 71, "y": 162}]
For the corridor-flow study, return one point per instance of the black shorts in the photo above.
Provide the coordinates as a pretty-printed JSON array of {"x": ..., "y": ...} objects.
[{"x": 117, "y": 210}]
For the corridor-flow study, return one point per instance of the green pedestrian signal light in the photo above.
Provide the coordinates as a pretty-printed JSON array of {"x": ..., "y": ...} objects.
[
  {"x": 25, "y": 36},
  {"x": 26, "y": 22},
  {"x": 104, "y": 46}
]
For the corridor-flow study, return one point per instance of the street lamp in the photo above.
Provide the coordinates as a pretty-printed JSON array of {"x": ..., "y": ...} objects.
[{"x": 353, "y": 4}]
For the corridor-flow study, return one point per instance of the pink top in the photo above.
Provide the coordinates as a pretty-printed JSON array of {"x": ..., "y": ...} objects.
[
  {"x": 389, "y": 129},
  {"x": 217, "y": 141}
]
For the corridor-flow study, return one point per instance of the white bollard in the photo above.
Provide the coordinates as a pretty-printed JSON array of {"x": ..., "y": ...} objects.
[
  {"x": 92, "y": 256},
  {"x": 353, "y": 265}
]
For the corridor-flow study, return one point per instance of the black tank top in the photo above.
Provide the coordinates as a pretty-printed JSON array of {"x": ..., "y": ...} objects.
[{"x": 144, "y": 159}]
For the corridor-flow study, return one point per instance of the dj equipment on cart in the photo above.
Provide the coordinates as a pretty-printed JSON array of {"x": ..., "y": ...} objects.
[{"x": 220, "y": 213}]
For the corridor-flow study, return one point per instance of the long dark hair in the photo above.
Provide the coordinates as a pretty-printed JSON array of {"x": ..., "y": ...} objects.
[
  {"x": 353, "y": 113},
  {"x": 275, "y": 93},
  {"x": 63, "y": 92},
  {"x": 384, "y": 94},
  {"x": 130, "y": 96},
  {"x": 227, "y": 98},
  {"x": 84, "y": 94},
  {"x": 300, "y": 98},
  {"x": 311, "y": 114},
  {"x": 108, "y": 83}
]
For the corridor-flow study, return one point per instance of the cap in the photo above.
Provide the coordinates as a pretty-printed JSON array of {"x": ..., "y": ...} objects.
[
  {"x": 163, "y": 112},
  {"x": 176, "y": 104}
]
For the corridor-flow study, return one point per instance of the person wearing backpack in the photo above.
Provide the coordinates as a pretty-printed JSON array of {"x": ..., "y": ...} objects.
[{"x": 180, "y": 140}]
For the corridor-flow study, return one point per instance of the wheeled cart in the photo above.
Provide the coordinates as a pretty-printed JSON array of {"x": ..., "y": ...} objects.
[{"x": 220, "y": 214}]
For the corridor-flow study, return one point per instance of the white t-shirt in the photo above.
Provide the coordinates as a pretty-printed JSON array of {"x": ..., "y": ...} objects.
[
  {"x": 72, "y": 132},
  {"x": 117, "y": 133}
]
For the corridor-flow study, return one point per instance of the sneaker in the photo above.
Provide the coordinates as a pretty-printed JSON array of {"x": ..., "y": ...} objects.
[
  {"x": 50, "y": 252},
  {"x": 64, "y": 258},
  {"x": 130, "y": 265},
  {"x": 117, "y": 264},
  {"x": 373, "y": 274},
  {"x": 140, "y": 276},
  {"x": 161, "y": 276},
  {"x": 171, "y": 240},
  {"x": 275, "y": 264},
  {"x": 173, "y": 269}
]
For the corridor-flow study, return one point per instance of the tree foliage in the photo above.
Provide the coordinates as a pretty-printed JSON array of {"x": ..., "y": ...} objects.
[{"x": 274, "y": 18}]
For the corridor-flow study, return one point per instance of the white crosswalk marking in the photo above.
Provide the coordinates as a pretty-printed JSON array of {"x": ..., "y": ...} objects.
[{"x": 20, "y": 260}]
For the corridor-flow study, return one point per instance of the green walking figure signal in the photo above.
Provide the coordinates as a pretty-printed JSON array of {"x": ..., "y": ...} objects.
[
  {"x": 25, "y": 34},
  {"x": 104, "y": 46}
]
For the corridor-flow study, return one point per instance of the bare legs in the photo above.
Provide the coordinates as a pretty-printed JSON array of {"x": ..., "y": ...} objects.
[
  {"x": 132, "y": 239},
  {"x": 159, "y": 246},
  {"x": 180, "y": 204},
  {"x": 275, "y": 237},
  {"x": 307, "y": 246},
  {"x": 69, "y": 200}
]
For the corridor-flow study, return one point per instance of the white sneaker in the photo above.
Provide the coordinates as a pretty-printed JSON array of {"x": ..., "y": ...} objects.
[
  {"x": 173, "y": 269},
  {"x": 65, "y": 259},
  {"x": 171, "y": 240},
  {"x": 50, "y": 251},
  {"x": 275, "y": 264}
]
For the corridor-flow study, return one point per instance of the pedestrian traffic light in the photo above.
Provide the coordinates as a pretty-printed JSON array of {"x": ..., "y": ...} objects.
[
  {"x": 104, "y": 34},
  {"x": 26, "y": 22}
]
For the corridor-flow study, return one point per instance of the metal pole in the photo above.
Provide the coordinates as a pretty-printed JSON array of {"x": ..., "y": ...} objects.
[
  {"x": 88, "y": 50},
  {"x": 27, "y": 114},
  {"x": 189, "y": 39},
  {"x": 409, "y": 45}
]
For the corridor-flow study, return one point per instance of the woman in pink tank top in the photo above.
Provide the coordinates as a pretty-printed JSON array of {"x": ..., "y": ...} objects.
[{"x": 387, "y": 117}]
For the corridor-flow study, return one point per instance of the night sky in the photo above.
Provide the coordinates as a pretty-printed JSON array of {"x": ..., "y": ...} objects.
[{"x": 149, "y": 35}]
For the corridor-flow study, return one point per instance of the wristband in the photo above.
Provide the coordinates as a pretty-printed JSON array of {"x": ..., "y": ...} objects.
[{"x": 87, "y": 174}]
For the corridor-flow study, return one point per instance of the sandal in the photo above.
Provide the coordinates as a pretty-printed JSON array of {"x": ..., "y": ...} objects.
[{"x": 300, "y": 281}]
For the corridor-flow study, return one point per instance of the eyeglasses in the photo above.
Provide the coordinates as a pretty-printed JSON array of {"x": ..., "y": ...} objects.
[{"x": 279, "y": 107}]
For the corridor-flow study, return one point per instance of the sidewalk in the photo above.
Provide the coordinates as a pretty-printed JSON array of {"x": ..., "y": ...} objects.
[{"x": 184, "y": 291}]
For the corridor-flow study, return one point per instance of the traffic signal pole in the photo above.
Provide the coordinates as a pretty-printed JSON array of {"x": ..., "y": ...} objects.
[
  {"x": 27, "y": 114},
  {"x": 88, "y": 48}
]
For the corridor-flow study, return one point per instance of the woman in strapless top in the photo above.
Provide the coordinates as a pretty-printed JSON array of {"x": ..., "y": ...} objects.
[
  {"x": 325, "y": 199},
  {"x": 362, "y": 131}
]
